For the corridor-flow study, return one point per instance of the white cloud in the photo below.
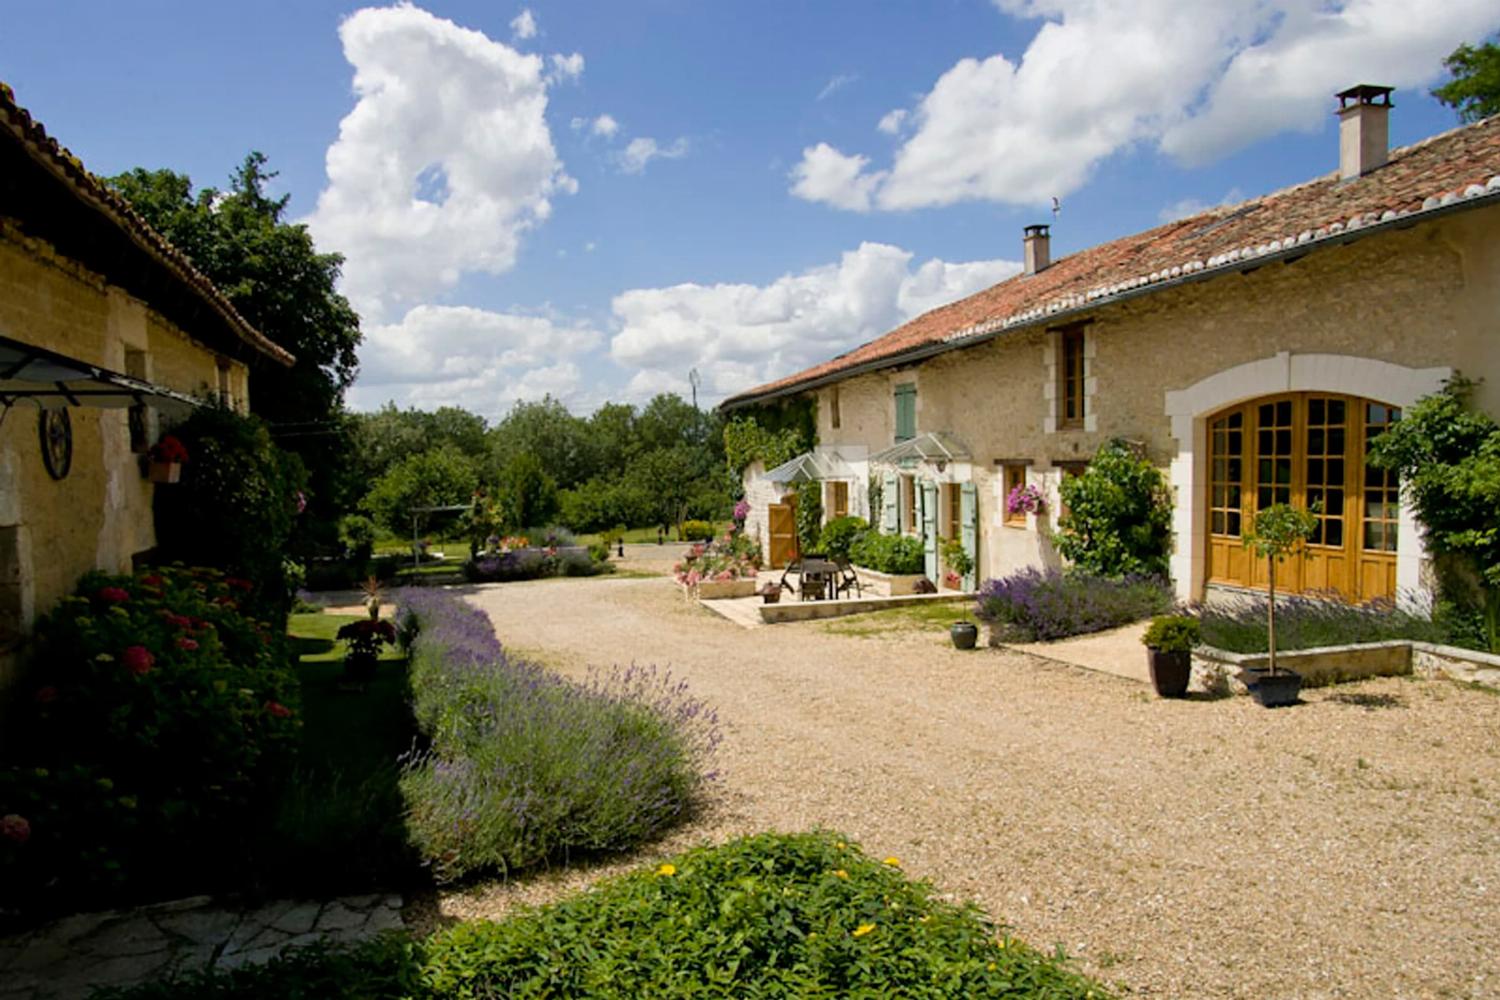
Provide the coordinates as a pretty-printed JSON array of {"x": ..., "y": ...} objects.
[
  {"x": 1196, "y": 81},
  {"x": 605, "y": 125},
  {"x": 642, "y": 150},
  {"x": 446, "y": 112},
  {"x": 1192, "y": 206},
  {"x": 565, "y": 67},
  {"x": 829, "y": 176},
  {"x": 741, "y": 335},
  {"x": 475, "y": 358},
  {"x": 836, "y": 84},
  {"x": 891, "y": 121},
  {"x": 523, "y": 25}
]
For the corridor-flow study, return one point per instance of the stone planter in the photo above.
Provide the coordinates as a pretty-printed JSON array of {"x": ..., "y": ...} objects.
[
  {"x": 889, "y": 584},
  {"x": 720, "y": 590}
]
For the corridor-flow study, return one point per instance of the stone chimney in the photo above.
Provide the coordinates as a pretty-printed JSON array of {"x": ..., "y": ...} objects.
[
  {"x": 1038, "y": 249},
  {"x": 1364, "y": 129}
]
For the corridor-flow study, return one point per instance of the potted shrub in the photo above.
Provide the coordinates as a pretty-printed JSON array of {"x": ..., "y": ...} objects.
[
  {"x": 1169, "y": 642},
  {"x": 365, "y": 637},
  {"x": 964, "y": 634},
  {"x": 1276, "y": 533},
  {"x": 167, "y": 457}
]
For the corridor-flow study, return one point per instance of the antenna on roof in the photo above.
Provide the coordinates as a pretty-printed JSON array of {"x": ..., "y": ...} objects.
[{"x": 695, "y": 380}]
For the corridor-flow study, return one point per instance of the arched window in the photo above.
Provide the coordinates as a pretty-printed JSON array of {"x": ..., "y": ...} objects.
[{"x": 1304, "y": 449}]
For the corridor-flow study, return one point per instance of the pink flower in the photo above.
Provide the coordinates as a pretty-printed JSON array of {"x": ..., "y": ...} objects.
[
  {"x": 279, "y": 710},
  {"x": 138, "y": 660},
  {"x": 693, "y": 578},
  {"x": 183, "y": 642},
  {"x": 724, "y": 574},
  {"x": 46, "y": 695},
  {"x": 16, "y": 828},
  {"x": 153, "y": 580},
  {"x": 113, "y": 595}
]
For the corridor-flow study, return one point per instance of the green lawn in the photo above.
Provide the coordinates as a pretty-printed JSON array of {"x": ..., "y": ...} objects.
[
  {"x": 339, "y": 827},
  {"x": 932, "y": 616}
]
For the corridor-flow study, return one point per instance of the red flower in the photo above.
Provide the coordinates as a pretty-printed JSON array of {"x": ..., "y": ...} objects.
[
  {"x": 239, "y": 584},
  {"x": 46, "y": 695},
  {"x": 279, "y": 710},
  {"x": 169, "y": 449},
  {"x": 153, "y": 580},
  {"x": 13, "y": 827},
  {"x": 113, "y": 595},
  {"x": 183, "y": 642},
  {"x": 138, "y": 660}
]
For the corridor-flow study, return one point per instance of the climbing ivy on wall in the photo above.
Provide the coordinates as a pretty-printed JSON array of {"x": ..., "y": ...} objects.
[{"x": 771, "y": 434}]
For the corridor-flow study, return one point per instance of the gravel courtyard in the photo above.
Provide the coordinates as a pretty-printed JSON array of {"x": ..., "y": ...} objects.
[{"x": 1348, "y": 847}]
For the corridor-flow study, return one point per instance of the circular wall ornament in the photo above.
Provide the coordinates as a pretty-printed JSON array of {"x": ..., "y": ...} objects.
[{"x": 57, "y": 442}]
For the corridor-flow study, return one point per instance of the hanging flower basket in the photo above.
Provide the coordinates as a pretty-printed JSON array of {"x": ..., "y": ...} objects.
[
  {"x": 165, "y": 472},
  {"x": 166, "y": 460}
]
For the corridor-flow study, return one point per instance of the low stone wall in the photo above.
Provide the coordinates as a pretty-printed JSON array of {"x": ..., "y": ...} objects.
[
  {"x": 720, "y": 590},
  {"x": 888, "y": 584},
  {"x": 801, "y": 611},
  {"x": 1334, "y": 664}
]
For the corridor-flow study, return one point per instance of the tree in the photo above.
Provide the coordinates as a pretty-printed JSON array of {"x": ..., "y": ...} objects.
[
  {"x": 1474, "y": 90},
  {"x": 669, "y": 478},
  {"x": 1276, "y": 533},
  {"x": 1119, "y": 519},
  {"x": 438, "y": 478},
  {"x": 270, "y": 271},
  {"x": 1447, "y": 454},
  {"x": 527, "y": 494},
  {"x": 548, "y": 431}
]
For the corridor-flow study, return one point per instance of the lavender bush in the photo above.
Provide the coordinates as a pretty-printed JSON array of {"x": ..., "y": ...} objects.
[
  {"x": 1038, "y": 606},
  {"x": 524, "y": 765}
]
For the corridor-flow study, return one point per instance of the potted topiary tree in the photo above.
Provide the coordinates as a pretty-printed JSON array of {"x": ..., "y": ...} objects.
[
  {"x": 1276, "y": 533},
  {"x": 1169, "y": 642}
]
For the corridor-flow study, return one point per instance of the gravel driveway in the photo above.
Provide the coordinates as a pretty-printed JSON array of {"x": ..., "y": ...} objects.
[{"x": 1347, "y": 847}]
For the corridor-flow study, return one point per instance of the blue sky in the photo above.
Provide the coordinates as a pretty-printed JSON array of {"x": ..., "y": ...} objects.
[{"x": 592, "y": 198}]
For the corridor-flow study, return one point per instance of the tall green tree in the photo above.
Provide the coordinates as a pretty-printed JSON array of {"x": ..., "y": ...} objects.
[
  {"x": 1474, "y": 90},
  {"x": 545, "y": 428},
  {"x": 274, "y": 275},
  {"x": 437, "y": 478}
]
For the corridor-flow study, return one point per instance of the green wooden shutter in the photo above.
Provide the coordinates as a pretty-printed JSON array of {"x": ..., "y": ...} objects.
[
  {"x": 890, "y": 502},
  {"x": 969, "y": 511},
  {"x": 930, "y": 528},
  {"x": 906, "y": 412}
]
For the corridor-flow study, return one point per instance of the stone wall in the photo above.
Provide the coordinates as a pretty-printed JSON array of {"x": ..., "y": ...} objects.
[
  {"x": 1420, "y": 301},
  {"x": 99, "y": 516}
]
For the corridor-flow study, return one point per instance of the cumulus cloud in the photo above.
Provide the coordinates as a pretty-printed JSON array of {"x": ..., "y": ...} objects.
[
  {"x": 1196, "y": 81},
  {"x": 643, "y": 149},
  {"x": 605, "y": 125},
  {"x": 891, "y": 122},
  {"x": 569, "y": 67},
  {"x": 740, "y": 335},
  {"x": 442, "y": 166},
  {"x": 523, "y": 25},
  {"x": 475, "y": 358}
]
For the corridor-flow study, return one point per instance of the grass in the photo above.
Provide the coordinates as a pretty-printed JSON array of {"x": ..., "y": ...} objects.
[
  {"x": 930, "y": 616},
  {"x": 339, "y": 826},
  {"x": 644, "y": 536}
]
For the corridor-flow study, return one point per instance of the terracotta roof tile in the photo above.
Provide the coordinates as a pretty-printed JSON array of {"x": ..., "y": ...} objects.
[
  {"x": 1438, "y": 172},
  {"x": 70, "y": 170}
]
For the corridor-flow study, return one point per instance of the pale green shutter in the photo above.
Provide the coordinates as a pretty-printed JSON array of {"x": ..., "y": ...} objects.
[
  {"x": 930, "y": 528},
  {"x": 906, "y": 412},
  {"x": 890, "y": 503},
  {"x": 969, "y": 512}
]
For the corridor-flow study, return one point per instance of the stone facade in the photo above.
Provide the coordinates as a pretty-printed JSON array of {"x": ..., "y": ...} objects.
[
  {"x": 1387, "y": 316},
  {"x": 100, "y": 514}
]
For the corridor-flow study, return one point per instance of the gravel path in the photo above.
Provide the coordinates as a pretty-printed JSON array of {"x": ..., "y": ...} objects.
[{"x": 1343, "y": 848}]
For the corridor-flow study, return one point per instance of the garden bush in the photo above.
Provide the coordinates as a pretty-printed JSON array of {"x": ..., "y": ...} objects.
[
  {"x": 1038, "y": 606},
  {"x": 805, "y": 915},
  {"x": 697, "y": 531},
  {"x": 809, "y": 516},
  {"x": 157, "y": 722},
  {"x": 896, "y": 554},
  {"x": 841, "y": 533},
  {"x": 1305, "y": 622},
  {"x": 525, "y": 766},
  {"x": 1119, "y": 515}
]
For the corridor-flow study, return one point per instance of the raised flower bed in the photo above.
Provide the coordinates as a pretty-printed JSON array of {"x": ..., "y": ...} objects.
[{"x": 719, "y": 570}]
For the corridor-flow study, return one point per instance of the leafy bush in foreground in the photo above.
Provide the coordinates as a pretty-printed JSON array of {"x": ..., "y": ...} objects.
[
  {"x": 1304, "y": 622},
  {"x": 525, "y": 765},
  {"x": 766, "y": 916},
  {"x": 1039, "y": 606}
]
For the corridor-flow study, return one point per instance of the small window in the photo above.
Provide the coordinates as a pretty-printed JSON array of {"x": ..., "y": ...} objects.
[
  {"x": 1068, "y": 470},
  {"x": 1071, "y": 372},
  {"x": 1015, "y": 478},
  {"x": 838, "y": 500},
  {"x": 906, "y": 412},
  {"x": 909, "y": 503},
  {"x": 835, "y": 417},
  {"x": 225, "y": 397}
]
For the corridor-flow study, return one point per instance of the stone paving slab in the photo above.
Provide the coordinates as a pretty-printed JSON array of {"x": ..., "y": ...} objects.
[
  {"x": 1116, "y": 651},
  {"x": 69, "y": 957}
]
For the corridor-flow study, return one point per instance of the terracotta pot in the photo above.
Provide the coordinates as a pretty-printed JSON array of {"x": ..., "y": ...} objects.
[
  {"x": 1170, "y": 671},
  {"x": 165, "y": 472}
]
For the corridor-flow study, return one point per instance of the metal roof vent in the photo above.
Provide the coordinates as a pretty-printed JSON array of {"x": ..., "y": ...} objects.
[{"x": 1364, "y": 129}]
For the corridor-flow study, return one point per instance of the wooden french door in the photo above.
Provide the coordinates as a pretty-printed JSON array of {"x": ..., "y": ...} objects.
[
  {"x": 782, "y": 524},
  {"x": 1305, "y": 449}
]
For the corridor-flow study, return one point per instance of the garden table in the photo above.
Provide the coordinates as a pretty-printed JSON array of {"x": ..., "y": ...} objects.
[{"x": 823, "y": 571}]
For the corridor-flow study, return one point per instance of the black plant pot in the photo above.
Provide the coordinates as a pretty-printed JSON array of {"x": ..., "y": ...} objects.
[
  {"x": 964, "y": 634},
  {"x": 1170, "y": 671},
  {"x": 360, "y": 667},
  {"x": 1273, "y": 690}
]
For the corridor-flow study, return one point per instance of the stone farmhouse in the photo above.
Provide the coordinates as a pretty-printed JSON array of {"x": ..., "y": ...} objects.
[
  {"x": 107, "y": 335},
  {"x": 1251, "y": 350}
]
